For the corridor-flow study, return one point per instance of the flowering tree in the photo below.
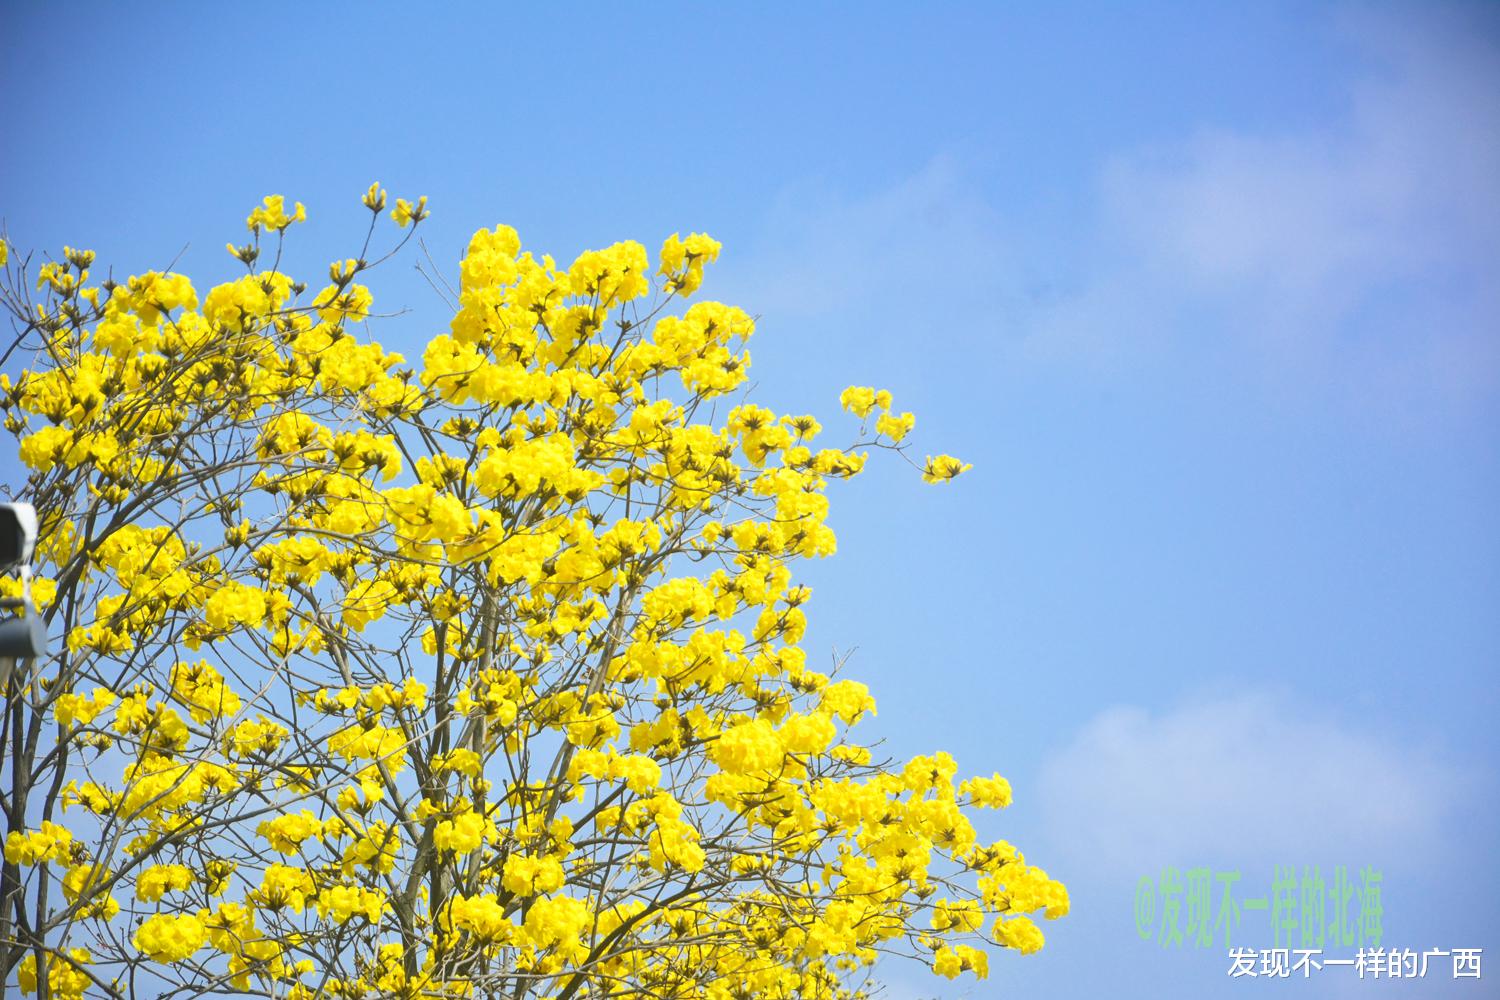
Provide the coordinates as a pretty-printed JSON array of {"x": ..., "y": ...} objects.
[{"x": 479, "y": 676}]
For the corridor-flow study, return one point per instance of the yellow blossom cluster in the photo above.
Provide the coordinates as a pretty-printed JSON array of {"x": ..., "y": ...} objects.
[
  {"x": 170, "y": 937},
  {"x": 473, "y": 675}
]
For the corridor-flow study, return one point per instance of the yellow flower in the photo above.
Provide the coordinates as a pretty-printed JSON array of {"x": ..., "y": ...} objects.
[
  {"x": 368, "y": 602},
  {"x": 1020, "y": 933},
  {"x": 284, "y": 886},
  {"x": 482, "y": 916},
  {"x": 286, "y": 833},
  {"x": 405, "y": 212},
  {"x": 201, "y": 688},
  {"x": 71, "y": 708},
  {"x": 751, "y": 746},
  {"x": 45, "y": 448},
  {"x": 894, "y": 427},
  {"x": 66, "y": 979},
  {"x": 170, "y": 937},
  {"x": 344, "y": 901},
  {"x": 50, "y": 842},
  {"x": 858, "y": 399},
  {"x": 374, "y": 198},
  {"x": 235, "y": 604},
  {"x": 254, "y": 736},
  {"x": 525, "y": 876},
  {"x": 158, "y": 880},
  {"x": 460, "y": 835},
  {"x": 272, "y": 215},
  {"x": 951, "y": 962},
  {"x": 335, "y": 304},
  {"x": 847, "y": 699},
  {"x": 990, "y": 793},
  {"x": 682, "y": 261},
  {"x": 943, "y": 468}
]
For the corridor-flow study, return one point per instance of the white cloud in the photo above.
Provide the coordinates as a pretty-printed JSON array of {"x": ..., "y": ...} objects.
[
  {"x": 1357, "y": 259},
  {"x": 1365, "y": 252},
  {"x": 1246, "y": 779}
]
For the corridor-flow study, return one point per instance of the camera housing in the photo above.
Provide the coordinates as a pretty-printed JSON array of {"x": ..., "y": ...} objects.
[{"x": 21, "y": 635}]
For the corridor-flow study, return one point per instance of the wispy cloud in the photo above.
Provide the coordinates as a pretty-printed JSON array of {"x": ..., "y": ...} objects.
[
  {"x": 1358, "y": 258},
  {"x": 1365, "y": 252},
  {"x": 1248, "y": 779}
]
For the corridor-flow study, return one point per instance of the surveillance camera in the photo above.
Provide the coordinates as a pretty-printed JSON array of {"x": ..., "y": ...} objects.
[
  {"x": 17, "y": 534},
  {"x": 25, "y": 635},
  {"x": 21, "y": 635}
]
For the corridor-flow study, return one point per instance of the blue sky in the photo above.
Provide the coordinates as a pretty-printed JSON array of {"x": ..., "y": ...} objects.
[{"x": 1208, "y": 295}]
